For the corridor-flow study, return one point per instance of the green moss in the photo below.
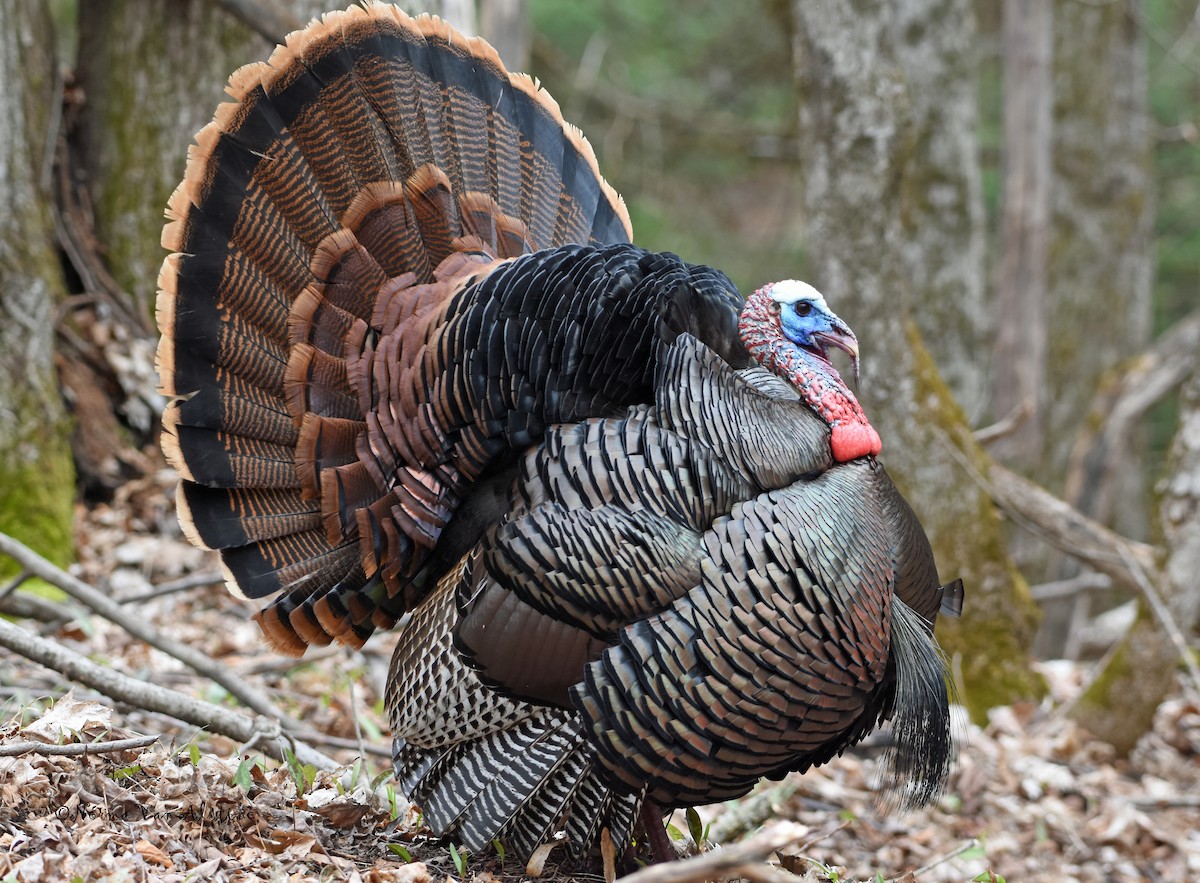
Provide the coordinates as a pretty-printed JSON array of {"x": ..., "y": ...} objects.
[
  {"x": 37, "y": 489},
  {"x": 1119, "y": 705},
  {"x": 990, "y": 644}
]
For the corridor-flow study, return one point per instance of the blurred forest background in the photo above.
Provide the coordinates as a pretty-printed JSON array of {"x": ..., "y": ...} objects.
[{"x": 1002, "y": 199}]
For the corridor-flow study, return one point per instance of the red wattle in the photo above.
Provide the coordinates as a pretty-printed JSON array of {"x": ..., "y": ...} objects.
[{"x": 849, "y": 441}]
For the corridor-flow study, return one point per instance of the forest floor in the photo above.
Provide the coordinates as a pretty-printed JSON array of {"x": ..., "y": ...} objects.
[{"x": 1032, "y": 798}]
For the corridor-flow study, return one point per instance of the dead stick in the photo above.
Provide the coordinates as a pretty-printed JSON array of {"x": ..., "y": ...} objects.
[
  {"x": 183, "y": 584},
  {"x": 139, "y": 628},
  {"x": 945, "y": 858},
  {"x": 121, "y": 687},
  {"x": 722, "y": 862},
  {"x": 271, "y": 24},
  {"x": 73, "y": 749}
]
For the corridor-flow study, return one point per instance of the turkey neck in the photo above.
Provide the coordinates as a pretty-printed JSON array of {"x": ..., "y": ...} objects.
[{"x": 820, "y": 385}]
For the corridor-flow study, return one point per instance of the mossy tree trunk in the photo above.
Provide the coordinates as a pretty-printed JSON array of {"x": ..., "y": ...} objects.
[
  {"x": 154, "y": 72},
  {"x": 37, "y": 481},
  {"x": 1119, "y": 705},
  {"x": 946, "y": 243},
  {"x": 863, "y": 172}
]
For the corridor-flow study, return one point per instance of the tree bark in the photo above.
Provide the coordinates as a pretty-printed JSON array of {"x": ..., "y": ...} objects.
[
  {"x": 153, "y": 72},
  {"x": 505, "y": 24},
  {"x": 1099, "y": 283},
  {"x": 37, "y": 481},
  {"x": 1119, "y": 705},
  {"x": 857, "y": 141},
  {"x": 945, "y": 248},
  {"x": 1019, "y": 363}
]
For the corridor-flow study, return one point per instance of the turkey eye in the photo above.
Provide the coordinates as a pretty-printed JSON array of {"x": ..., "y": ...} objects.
[{"x": 803, "y": 308}]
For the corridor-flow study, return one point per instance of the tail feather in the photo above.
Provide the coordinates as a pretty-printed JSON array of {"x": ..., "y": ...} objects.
[
  {"x": 923, "y": 740},
  {"x": 226, "y": 519},
  {"x": 366, "y": 153}
]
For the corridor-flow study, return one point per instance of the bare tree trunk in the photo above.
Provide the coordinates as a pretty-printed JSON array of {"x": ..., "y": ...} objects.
[
  {"x": 1019, "y": 365},
  {"x": 858, "y": 147},
  {"x": 1099, "y": 283},
  {"x": 37, "y": 481},
  {"x": 1103, "y": 213},
  {"x": 151, "y": 73},
  {"x": 505, "y": 24}
]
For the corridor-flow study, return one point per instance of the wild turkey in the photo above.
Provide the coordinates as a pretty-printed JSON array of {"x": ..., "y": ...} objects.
[{"x": 416, "y": 368}]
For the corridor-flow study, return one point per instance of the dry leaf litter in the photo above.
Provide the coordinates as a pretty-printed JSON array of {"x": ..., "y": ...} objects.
[{"x": 1033, "y": 799}]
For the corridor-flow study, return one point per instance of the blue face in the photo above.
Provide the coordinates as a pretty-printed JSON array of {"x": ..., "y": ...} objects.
[
  {"x": 807, "y": 321},
  {"x": 804, "y": 318}
]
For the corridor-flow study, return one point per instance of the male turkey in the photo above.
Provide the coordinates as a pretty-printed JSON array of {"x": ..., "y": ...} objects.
[{"x": 638, "y": 527}]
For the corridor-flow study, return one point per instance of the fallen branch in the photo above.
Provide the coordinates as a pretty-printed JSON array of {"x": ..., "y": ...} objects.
[
  {"x": 264, "y": 732},
  {"x": 101, "y": 604},
  {"x": 1064, "y": 527},
  {"x": 26, "y": 605},
  {"x": 76, "y": 749},
  {"x": 1119, "y": 408},
  {"x": 1069, "y": 588},
  {"x": 745, "y": 859},
  {"x": 1126, "y": 562},
  {"x": 941, "y": 860},
  {"x": 183, "y": 584},
  {"x": 272, "y": 25}
]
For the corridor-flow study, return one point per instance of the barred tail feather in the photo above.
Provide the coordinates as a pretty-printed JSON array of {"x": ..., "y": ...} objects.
[{"x": 366, "y": 151}]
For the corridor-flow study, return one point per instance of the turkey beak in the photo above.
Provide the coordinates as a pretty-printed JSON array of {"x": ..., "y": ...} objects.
[{"x": 842, "y": 338}]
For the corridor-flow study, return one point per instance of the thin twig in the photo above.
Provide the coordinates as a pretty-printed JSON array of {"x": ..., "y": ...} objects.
[
  {"x": 281, "y": 664},
  {"x": 1162, "y": 612},
  {"x": 75, "y": 749},
  {"x": 313, "y": 737},
  {"x": 1182, "y": 801},
  {"x": 1069, "y": 588},
  {"x": 183, "y": 584},
  {"x": 121, "y": 687},
  {"x": 1006, "y": 425},
  {"x": 140, "y": 628},
  {"x": 971, "y": 844},
  {"x": 824, "y": 835},
  {"x": 719, "y": 863},
  {"x": 358, "y": 736},
  {"x": 14, "y": 583}
]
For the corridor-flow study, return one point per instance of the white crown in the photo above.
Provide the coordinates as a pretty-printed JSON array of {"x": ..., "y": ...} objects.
[{"x": 788, "y": 291}]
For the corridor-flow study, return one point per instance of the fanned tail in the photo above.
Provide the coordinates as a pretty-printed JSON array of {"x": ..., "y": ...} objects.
[{"x": 355, "y": 181}]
